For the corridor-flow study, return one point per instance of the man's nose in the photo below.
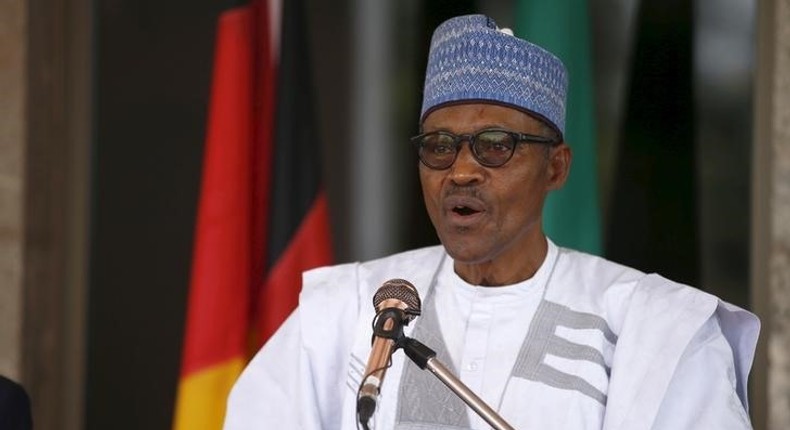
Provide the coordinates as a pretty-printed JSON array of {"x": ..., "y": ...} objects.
[{"x": 466, "y": 170}]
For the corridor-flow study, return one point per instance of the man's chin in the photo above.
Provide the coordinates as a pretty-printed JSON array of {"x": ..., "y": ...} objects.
[{"x": 465, "y": 254}]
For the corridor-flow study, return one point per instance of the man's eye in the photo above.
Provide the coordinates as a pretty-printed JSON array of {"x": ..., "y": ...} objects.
[
  {"x": 438, "y": 147},
  {"x": 494, "y": 141},
  {"x": 500, "y": 146},
  {"x": 494, "y": 145},
  {"x": 442, "y": 148}
]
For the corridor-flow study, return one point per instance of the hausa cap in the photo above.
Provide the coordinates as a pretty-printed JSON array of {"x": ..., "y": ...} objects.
[{"x": 471, "y": 59}]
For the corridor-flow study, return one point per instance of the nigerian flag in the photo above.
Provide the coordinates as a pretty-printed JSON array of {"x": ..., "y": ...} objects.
[{"x": 571, "y": 217}]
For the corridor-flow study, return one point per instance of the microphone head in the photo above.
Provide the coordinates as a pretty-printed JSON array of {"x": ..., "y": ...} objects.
[{"x": 402, "y": 291}]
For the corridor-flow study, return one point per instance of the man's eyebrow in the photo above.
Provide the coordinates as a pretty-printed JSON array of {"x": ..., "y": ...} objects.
[{"x": 481, "y": 128}]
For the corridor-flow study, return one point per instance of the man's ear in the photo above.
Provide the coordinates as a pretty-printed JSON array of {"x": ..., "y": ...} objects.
[{"x": 559, "y": 165}]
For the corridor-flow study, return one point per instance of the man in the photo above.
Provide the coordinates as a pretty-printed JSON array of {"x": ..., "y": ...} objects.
[{"x": 550, "y": 338}]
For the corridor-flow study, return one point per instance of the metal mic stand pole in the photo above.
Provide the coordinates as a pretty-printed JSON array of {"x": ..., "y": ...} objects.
[{"x": 425, "y": 357}]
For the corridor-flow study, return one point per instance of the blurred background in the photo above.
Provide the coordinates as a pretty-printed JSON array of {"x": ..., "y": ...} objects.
[{"x": 104, "y": 107}]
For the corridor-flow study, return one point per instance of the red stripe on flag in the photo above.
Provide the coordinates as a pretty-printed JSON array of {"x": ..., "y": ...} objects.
[
  {"x": 310, "y": 247},
  {"x": 216, "y": 326}
]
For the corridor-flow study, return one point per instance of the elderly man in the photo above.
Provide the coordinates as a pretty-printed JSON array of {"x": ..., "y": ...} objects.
[{"x": 550, "y": 338}]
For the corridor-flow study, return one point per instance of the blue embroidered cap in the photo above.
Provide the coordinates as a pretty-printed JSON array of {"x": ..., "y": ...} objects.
[{"x": 471, "y": 59}]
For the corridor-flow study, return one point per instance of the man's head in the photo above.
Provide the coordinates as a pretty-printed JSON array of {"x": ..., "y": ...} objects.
[{"x": 491, "y": 147}]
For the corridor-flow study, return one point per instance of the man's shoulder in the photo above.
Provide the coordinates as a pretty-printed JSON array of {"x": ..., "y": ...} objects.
[
  {"x": 599, "y": 275},
  {"x": 613, "y": 290},
  {"x": 409, "y": 261},
  {"x": 406, "y": 260},
  {"x": 595, "y": 277},
  {"x": 363, "y": 278},
  {"x": 617, "y": 290}
]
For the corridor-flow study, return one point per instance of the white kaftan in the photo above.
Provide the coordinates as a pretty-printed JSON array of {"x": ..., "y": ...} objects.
[{"x": 583, "y": 344}]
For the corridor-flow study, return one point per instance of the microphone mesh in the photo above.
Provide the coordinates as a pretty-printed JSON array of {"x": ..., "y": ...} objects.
[{"x": 399, "y": 289}]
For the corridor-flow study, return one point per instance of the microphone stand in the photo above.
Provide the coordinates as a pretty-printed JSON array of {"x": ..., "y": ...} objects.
[{"x": 425, "y": 357}]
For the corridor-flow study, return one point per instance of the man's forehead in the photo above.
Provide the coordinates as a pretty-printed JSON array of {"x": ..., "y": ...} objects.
[{"x": 474, "y": 115}]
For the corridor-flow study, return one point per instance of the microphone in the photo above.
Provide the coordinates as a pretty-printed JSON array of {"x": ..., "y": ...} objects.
[{"x": 397, "y": 303}]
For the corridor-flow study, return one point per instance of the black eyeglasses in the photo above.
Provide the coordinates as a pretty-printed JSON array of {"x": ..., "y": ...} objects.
[{"x": 491, "y": 147}]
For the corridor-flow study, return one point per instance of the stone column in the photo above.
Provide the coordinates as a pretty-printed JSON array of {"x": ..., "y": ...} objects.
[
  {"x": 771, "y": 217},
  {"x": 58, "y": 124},
  {"x": 45, "y": 133},
  {"x": 13, "y": 35}
]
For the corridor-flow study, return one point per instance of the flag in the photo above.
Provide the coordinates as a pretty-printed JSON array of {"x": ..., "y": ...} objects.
[
  {"x": 571, "y": 216},
  {"x": 216, "y": 328},
  {"x": 299, "y": 236},
  {"x": 262, "y": 218}
]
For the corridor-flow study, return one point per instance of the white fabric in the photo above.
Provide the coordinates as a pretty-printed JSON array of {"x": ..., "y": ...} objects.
[
  {"x": 483, "y": 328},
  {"x": 680, "y": 361}
]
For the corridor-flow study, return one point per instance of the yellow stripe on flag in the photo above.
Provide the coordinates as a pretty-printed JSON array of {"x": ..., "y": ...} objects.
[{"x": 202, "y": 396}]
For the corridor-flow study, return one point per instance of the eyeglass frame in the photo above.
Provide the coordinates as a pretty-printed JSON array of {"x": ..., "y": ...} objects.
[{"x": 458, "y": 140}]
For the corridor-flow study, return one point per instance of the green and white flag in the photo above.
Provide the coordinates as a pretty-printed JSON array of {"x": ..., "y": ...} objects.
[{"x": 571, "y": 216}]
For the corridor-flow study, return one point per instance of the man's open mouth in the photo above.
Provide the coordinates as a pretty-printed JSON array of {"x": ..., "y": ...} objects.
[{"x": 464, "y": 210}]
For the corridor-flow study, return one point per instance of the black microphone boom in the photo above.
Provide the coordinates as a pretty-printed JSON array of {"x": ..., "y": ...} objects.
[{"x": 397, "y": 303}]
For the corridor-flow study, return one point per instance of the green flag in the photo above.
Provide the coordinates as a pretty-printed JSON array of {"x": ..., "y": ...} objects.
[{"x": 571, "y": 216}]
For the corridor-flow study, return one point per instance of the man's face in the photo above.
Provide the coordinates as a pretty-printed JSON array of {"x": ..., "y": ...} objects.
[{"x": 483, "y": 214}]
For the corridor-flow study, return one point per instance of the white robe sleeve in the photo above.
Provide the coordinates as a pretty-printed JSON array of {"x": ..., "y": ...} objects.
[
  {"x": 682, "y": 361},
  {"x": 274, "y": 391},
  {"x": 702, "y": 393},
  {"x": 296, "y": 381}
]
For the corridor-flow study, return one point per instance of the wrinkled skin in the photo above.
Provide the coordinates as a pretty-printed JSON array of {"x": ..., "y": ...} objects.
[{"x": 490, "y": 219}]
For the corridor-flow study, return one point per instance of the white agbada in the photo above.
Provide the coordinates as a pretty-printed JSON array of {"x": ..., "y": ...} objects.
[{"x": 583, "y": 344}]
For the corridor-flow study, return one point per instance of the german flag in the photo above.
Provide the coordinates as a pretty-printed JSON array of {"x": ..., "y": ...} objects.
[{"x": 262, "y": 216}]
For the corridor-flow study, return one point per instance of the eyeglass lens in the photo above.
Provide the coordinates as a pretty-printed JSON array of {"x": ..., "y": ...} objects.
[{"x": 490, "y": 148}]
